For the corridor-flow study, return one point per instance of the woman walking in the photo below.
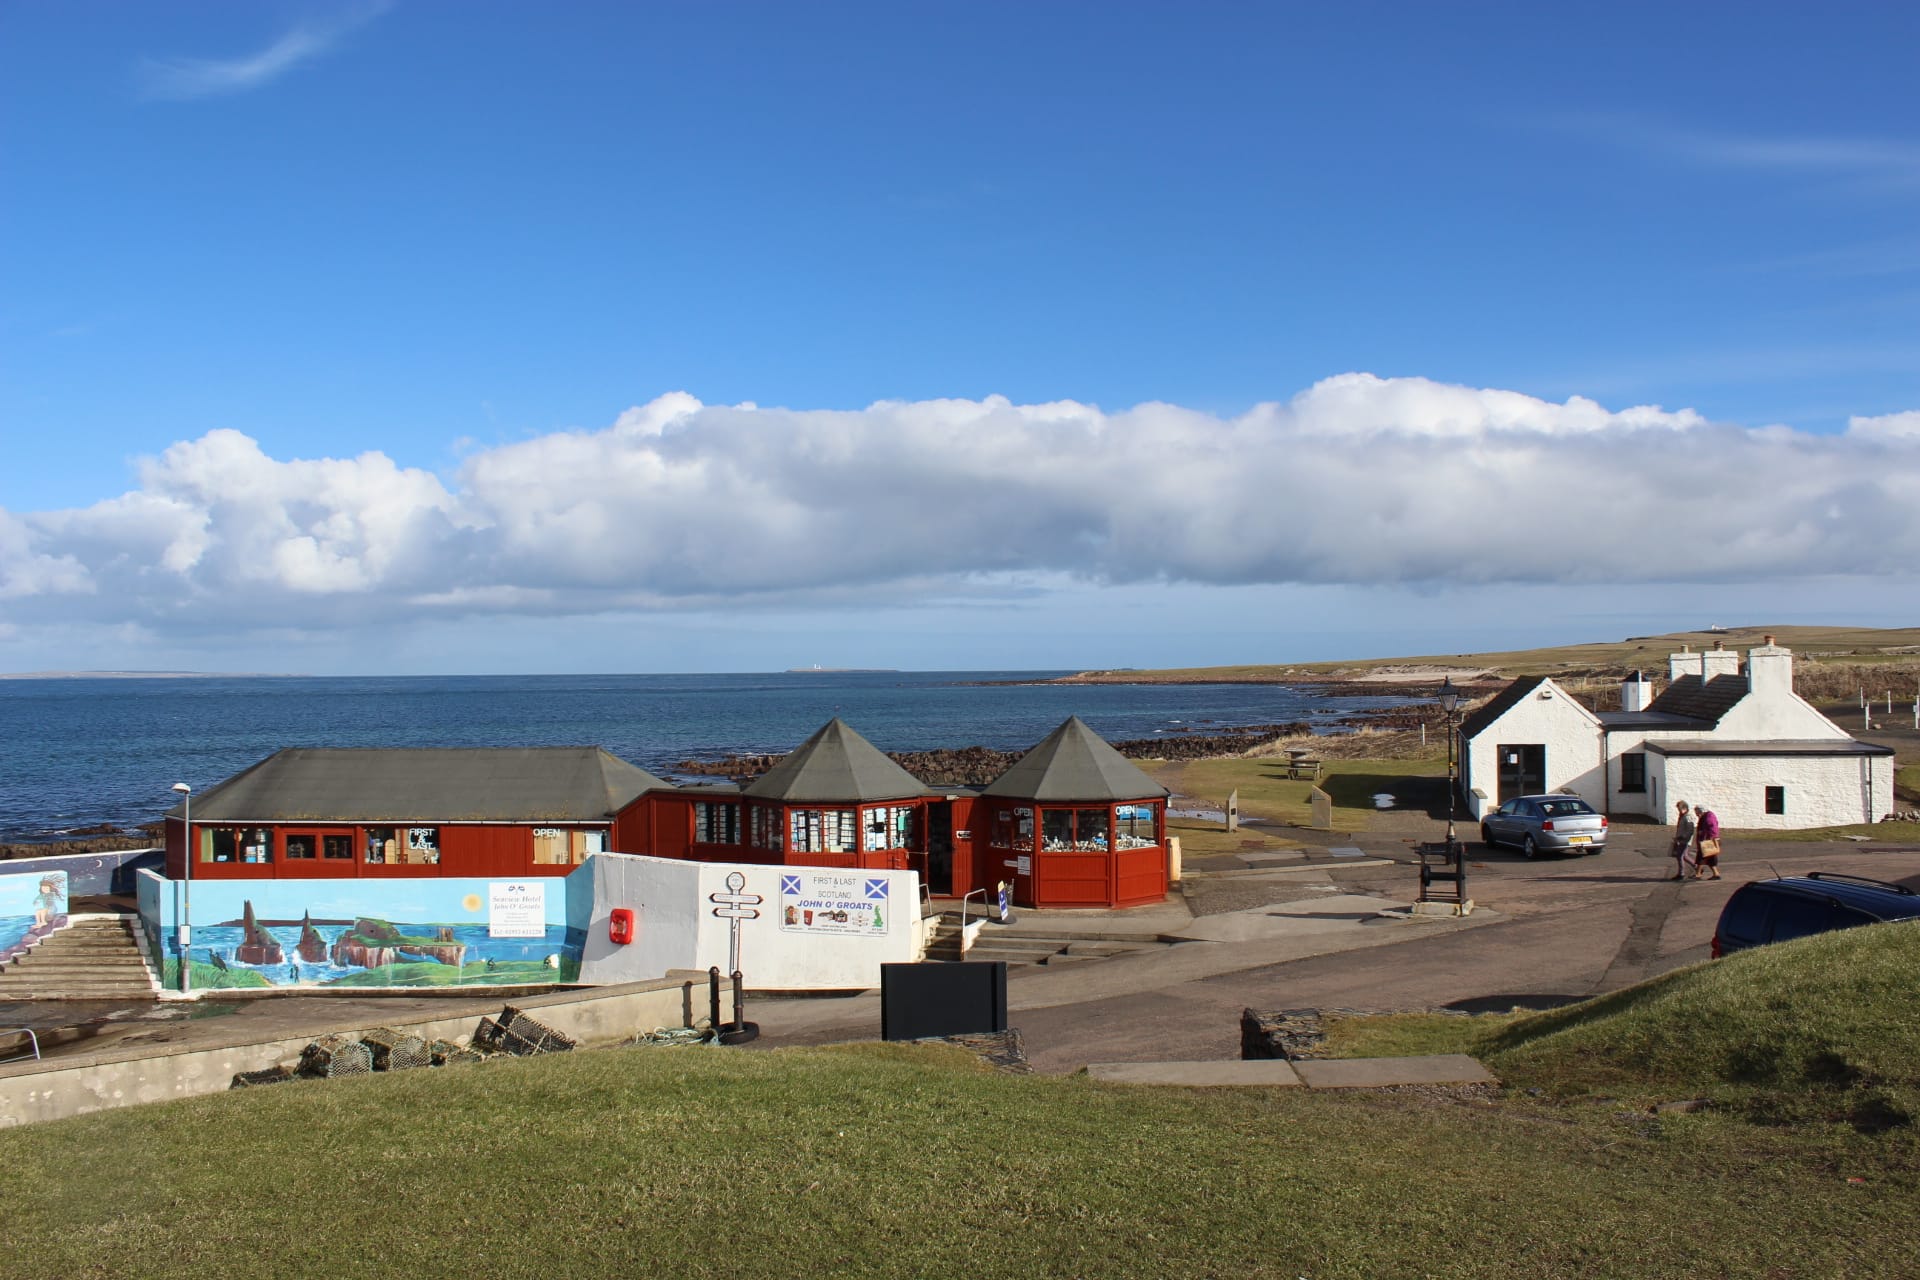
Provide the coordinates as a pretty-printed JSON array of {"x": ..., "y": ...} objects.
[
  {"x": 1706, "y": 841},
  {"x": 1682, "y": 839}
]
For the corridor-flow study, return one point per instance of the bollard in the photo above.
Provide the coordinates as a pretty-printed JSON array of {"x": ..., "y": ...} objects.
[{"x": 713, "y": 998}]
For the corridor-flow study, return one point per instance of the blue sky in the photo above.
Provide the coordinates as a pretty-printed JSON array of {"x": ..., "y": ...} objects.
[{"x": 319, "y": 323}]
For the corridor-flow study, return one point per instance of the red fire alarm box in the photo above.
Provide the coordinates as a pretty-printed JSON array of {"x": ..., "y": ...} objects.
[{"x": 620, "y": 925}]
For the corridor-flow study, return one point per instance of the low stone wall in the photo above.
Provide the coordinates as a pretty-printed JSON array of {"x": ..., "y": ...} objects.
[{"x": 77, "y": 1084}]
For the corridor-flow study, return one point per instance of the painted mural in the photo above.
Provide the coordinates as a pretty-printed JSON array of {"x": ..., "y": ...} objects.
[
  {"x": 32, "y": 906},
  {"x": 400, "y": 933}
]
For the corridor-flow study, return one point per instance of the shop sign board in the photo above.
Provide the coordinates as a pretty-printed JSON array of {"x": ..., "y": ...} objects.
[
  {"x": 517, "y": 909},
  {"x": 822, "y": 902}
]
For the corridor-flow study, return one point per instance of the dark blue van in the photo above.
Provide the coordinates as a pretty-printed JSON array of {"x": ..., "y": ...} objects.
[{"x": 1795, "y": 906}]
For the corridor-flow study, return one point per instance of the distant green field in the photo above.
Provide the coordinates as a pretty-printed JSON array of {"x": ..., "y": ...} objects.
[
  {"x": 1848, "y": 644},
  {"x": 889, "y": 1160}
]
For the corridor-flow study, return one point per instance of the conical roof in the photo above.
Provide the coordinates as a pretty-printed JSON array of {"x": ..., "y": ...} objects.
[
  {"x": 1074, "y": 763},
  {"x": 835, "y": 764}
]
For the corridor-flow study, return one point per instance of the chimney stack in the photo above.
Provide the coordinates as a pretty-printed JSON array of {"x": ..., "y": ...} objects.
[
  {"x": 1636, "y": 691},
  {"x": 1722, "y": 661}
]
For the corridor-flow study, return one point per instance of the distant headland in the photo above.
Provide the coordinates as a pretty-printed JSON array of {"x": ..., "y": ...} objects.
[{"x": 145, "y": 675}]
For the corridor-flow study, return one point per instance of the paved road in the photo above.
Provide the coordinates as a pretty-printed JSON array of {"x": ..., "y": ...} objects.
[{"x": 1555, "y": 931}]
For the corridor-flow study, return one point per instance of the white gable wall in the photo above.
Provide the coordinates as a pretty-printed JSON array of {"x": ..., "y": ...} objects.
[
  {"x": 1551, "y": 718},
  {"x": 1821, "y": 791}
]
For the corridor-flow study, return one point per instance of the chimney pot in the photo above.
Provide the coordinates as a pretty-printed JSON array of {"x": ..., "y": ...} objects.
[
  {"x": 1719, "y": 644},
  {"x": 1769, "y": 639}
]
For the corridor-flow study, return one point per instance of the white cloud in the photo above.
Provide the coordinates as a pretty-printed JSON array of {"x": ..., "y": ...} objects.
[
  {"x": 183, "y": 78},
  {"x": 1888, "y": 426},
  {"x": 680, "y": 506}
]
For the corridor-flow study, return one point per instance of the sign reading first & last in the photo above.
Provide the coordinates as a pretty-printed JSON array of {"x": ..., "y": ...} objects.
[{"x": 831, "y": 902}]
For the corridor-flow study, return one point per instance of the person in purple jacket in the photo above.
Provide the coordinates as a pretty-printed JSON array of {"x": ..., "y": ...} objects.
[{"x": 1706, "y": 843}]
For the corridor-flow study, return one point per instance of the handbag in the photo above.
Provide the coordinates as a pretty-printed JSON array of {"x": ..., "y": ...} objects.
[{"x": 1710, "y": 848}]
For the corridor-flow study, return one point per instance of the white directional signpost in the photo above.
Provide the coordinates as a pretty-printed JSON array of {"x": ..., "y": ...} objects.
[{"x": 734, "y": 906}]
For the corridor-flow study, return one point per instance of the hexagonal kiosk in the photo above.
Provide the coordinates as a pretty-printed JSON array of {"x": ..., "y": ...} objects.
[{"x": 1075, "y": 824}]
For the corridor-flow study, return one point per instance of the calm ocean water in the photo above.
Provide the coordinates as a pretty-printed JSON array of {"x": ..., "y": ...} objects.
[{"x": 74, "y": 753}]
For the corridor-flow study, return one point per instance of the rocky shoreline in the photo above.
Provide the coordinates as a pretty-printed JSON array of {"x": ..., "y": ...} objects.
[{"x": 977, "y": 766}]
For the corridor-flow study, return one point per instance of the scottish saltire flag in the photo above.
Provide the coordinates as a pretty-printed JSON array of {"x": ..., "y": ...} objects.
[
  {"x": 790, "y": 884},
  {"x": 877, "y": 889}
]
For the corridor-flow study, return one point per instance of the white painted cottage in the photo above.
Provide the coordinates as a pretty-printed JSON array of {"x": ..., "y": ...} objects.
[{"x": 1738, "y": 740}]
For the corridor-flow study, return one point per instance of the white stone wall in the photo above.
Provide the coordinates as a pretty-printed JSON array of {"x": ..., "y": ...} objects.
[
  {"x": 677, "y": 929},
  {"x": 1570, "y": 733},
  {"x": 1821, "y": 791}
]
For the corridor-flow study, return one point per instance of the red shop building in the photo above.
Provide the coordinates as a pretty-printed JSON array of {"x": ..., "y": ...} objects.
[
  {"x": 311, "y": 812},
  {"x": 1073, "y": 823},
  {"x": 1076, "y": 824}
]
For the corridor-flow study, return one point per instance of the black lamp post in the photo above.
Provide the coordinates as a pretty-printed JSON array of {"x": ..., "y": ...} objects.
[{"x": 1449, "y": 703}]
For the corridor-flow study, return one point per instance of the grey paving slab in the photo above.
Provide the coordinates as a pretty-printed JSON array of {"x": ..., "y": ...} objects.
[
  {"x": 1346, "y": 851},
  {"x": 1259, "y": 1073},
  {"x": 1376, "y": 1073}
]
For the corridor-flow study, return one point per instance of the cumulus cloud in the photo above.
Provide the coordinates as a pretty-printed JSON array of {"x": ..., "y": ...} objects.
[
  {"x": 682, "y": 505},
  {"x": 1887, "y": 426},
  {"x": 183, "y": 78}
]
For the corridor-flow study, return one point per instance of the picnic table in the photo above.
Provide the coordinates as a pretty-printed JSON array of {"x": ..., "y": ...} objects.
[{"x": 1304, "y": 767}]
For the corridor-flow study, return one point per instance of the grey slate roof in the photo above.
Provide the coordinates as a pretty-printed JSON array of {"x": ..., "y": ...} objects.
[
  {"x": 1074, "y": 763},
  {"x": 835, "y": 764},
  {"x": 427, "y": 784},
  {"x": 1774, "y": 747},
  {"x": 1702, "y": 700},
  {"x": 1499, "y": 705}
]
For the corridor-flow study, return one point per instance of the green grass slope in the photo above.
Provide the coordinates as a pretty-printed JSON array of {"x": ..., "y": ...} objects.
[
  {"x": 909, "y": 1161},
  {"x": 1823, "y": 1026}
]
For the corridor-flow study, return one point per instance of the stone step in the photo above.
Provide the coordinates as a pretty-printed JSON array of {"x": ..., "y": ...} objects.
[{"x": 79, "y": 966}]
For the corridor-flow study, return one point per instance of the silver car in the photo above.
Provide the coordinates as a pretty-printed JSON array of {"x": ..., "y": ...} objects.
[{"x": 1534, "y": 824}]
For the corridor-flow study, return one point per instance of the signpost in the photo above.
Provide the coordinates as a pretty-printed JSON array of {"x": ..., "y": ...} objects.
[{"x": 734, "y": 906}]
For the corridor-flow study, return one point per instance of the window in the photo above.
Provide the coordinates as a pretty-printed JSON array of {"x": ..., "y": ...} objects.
[
  {"x": 383, "y": 845},
  {"x": 1136, "y": 827},
  {"x": 1633, "y": 771},
  {"x": 716, "y": 823},
  {"x": 299, "y": 848},
  {"x": 891, "y": 827},
  {"x": 1073, "y": 830},
  {"x": 821, "y": 830},
  {"x": 1013, "y": 828},
  {"x": 765, "y": 824},
  {"x": 338, "y": 846},
  {"x": 549, "y": 845},
  {"x": 235, "y": 844},
  {"x": 1776, "y": 799},
  {"x": 423, "y": 845}
]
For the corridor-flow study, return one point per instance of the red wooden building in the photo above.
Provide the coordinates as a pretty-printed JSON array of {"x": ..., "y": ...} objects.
[
  {"x": 1077, "y": 823},
  {"x": 310, "y": 812},
  {"x": 1071, "y": 824}
]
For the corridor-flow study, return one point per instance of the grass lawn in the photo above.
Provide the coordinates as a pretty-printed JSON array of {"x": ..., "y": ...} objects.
[
  {"x": 1266, "y": 791},
  {"x": 896, "y": 1160},
  {"x": 910, "y": 1161}
]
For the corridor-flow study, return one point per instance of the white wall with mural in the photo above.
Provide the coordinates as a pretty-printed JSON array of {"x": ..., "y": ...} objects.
[
  {"x": 800, "y": 928},
  {"x": 414, "y": 932},
  {"x": 33, "y": 903}
]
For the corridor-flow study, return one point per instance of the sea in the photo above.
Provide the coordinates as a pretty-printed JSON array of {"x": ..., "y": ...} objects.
[{"x": 82, "y": 752}]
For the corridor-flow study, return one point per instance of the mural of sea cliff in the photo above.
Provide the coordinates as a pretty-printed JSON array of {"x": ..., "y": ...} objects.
[
  {"x": 401, "y": 934},
  {"x": 32, "y": 905}
]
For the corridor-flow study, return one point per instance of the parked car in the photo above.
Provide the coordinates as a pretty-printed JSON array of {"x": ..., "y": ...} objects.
[
  {"x": 1795, "y": 906},
  {"x": 1538, "y": 824}
]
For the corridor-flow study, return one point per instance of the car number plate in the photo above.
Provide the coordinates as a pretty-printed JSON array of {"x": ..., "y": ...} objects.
[{"x": 1579, "y": 839}]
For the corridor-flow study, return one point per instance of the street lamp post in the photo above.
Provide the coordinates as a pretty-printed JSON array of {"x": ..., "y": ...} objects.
[
  {"x": 186, "y": 887},
  {"x": 1449, "y": 703}
]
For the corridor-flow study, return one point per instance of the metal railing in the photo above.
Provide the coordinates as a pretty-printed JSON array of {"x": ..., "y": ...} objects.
[
  {"x": 963, "y": 910},
  {"x": 32, "y": 1040}
]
